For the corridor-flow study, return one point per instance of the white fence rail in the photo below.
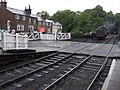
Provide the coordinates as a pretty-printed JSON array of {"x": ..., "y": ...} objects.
[
  {"x": 56, "y": 36},
  {"x": 20, "y": 41},
  {"x": 48, "y": 37},
  {"x": 34, "y": 36},
  {"x": 63, "y": 36},
  {"x": 14, "y": 41}
]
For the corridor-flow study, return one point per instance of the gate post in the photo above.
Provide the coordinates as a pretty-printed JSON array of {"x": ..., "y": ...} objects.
[
  {"x": 4, "y": 41},
  {"x": 17, "y": 41},
  {"x": 55, "y": 35},
  {"x": 26, "y": 41}
]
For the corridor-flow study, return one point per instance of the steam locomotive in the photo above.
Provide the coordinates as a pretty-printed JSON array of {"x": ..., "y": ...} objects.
[{"x": 101, "y": 32}]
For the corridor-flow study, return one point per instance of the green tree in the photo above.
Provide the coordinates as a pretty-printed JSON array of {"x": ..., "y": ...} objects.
[
  {"x": 117, "y": 21},
  {"x": 43, "y": 13},
  {"x": 66, "y": 18},
  {"x": 86, "y": 21}
]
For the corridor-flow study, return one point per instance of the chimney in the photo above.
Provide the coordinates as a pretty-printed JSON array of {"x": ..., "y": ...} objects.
[
  {"x": 3, "y": 4},
  {"x": 28, "y": 11}
]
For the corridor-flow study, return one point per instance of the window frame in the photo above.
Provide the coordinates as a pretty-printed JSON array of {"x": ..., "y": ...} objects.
[
  {"x": 17, "y": 16},
  {"x": 24, "y": 18}
]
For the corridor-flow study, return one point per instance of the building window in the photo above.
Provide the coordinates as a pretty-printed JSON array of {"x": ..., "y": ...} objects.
[
  {"x": 34, "y": 21},
  {"x": 48, "y": 30},
  {"x": 17, "y": 17},
  {"x": 39, "y": 23},
  {"x": 46, "y": 23},
  {"x": 43, "y": 23},
  {"x": 20, "y": 27},
  {"x": 31, "y": 28},
  {"x": 23, "y": 17},
  {"x": 29, "y": 20},
  {"x": 50, "y": 24}
]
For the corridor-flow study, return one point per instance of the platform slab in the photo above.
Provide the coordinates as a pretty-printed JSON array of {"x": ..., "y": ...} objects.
[{"x": 113, "y": 80}]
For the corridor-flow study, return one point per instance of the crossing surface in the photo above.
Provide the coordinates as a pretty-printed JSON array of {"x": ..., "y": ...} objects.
[{"x": 68, "y": 46}]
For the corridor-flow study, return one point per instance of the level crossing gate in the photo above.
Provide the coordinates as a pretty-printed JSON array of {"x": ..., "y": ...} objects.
[
  {"x": 54, "y": 36},
  {"x": 14, "y": 41}
]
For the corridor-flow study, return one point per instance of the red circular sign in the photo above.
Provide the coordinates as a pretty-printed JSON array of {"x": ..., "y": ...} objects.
[{"x": 42, "y": 29}]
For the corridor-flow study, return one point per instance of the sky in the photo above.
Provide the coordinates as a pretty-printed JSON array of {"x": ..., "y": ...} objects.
[{"x": 52, "y": 6}]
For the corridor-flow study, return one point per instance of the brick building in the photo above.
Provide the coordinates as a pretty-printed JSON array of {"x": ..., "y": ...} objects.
[
  {"x": 19, "y": 20},
  {"x": 49, "y": 25}
]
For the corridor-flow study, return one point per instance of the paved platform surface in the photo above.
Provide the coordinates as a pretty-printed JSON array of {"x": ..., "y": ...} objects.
[
  {"x": 49, "y": 45},
  {"x": 112, "y": 82}
]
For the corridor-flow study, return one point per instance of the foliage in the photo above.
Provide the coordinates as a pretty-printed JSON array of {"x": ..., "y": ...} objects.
[
  {"x": 86, "y": 21},
  {"x": 117, "y": 18},
  {"x": 66, "y": 18},
  {"x": 43, "y": 13}
]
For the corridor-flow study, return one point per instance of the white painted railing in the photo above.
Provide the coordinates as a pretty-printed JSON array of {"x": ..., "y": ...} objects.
[
  {"x": 56, "y": 36},
  {"x": 0, "y": 36},
  {"x": 63, "y": 36},
  {"x": 34, "y": 36},
  {"x": 14, "y": 41},
  {"x": 48, "y": 37}
]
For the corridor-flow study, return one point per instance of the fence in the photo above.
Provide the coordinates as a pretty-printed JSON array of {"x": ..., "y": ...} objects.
[
  {"x": 63, "y": 36},
  {"x": 56, "y": 36},
  {"x": 34, "y": 36},
  {"x": 14, "y": 41}
]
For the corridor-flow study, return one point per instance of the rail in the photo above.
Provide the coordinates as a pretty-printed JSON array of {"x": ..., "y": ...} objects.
[
  {"x": 55, "y": 36},
  {"x": 85, "y": 60},
  {"x": 33, "y": 71},
  {"x": 45, "y": 66},
  {"x": 102, "y": 67}
]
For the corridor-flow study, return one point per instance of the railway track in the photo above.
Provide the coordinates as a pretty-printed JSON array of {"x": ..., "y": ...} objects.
[
  {"x": 95, "y": 40},
  {"x": 17, "y": 72},
  {"x": 82, "y": 76},
  {"x": 98, "y": 83},
  {"x": 47, "y": 72}
]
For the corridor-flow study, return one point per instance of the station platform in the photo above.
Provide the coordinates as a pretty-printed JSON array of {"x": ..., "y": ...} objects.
[
  {"x": 112, "y": 81},
  {"x": 48, "y": 45}
]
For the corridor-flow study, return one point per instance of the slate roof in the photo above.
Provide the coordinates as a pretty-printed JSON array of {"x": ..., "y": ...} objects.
[{"x": 20, "y": 12}]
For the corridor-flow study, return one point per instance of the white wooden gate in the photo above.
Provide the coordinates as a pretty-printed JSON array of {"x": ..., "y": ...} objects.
[
  {"x": 63, "y": 36},
  {"x": 14, "y": 41},
  {"x": 55, "y": 36},
  {"x": 34, "y": 36}
]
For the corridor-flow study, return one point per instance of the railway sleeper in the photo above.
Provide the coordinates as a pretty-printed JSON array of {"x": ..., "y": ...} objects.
[
  {"x": 18, "y": 71},
  {"x": 87, "y": 68},
  {"x": 92, "y": 67},
  {"x": 17, "y": 85},
  {"x": 94, "y": 64}
]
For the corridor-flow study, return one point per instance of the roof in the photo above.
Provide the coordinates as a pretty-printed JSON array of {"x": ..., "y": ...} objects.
[
  {"x": 40, "y": 19},
  {"x": 20, "y": 12},
  {"x": 49, "y": 21},
  {"x": 57, "y": 23}
]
